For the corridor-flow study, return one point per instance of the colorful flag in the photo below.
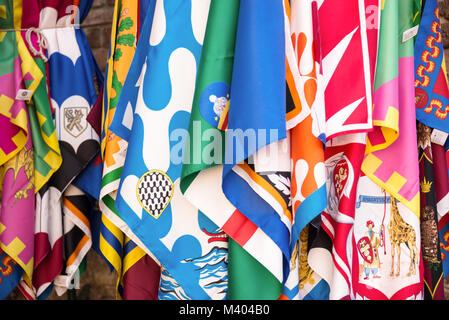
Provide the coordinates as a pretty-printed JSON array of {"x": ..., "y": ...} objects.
[
  {"x": 343, "y": 160},
  {"x": 149, "y": 199},
  {"x": 345, "y": 63},
  {"x": 17, "y": 211},
  {"x": 386, "y": 247},
  {"x": 440, "y": 159},
  {"x": 113, "y": 243},
  {"x": 21, "y": 77},
  {"x": 140, "y": 275},
  {"x": 387, "y": 213},
  {"x": 314, "y": 245},
  {"x": 74, "y": 82},
  {"x": 47, "y": 156},
  {"x": 255, "y": 121},
  {"x": 394, "y": 130},
  {"x": 308, "y": 187},
  {"x": 431, "y": 85},
  {"x": 430, "y": 242},
  {"x": 122, "y": 120},
  {"x": 113, "y": 149},
  {"x": 202, "y": 169}
]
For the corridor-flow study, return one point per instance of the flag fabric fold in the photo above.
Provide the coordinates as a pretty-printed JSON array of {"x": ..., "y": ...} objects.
[
  {"x": 231, "y": 150},
  {"x": 431, "y": 252},
  {"x": 177, "y": 234},
  {"x": 113, "y": 244},
  {"x": 388, "y": 196},
  {"x": 431, "y": 85},
  {"x": 255, "y": 121}
]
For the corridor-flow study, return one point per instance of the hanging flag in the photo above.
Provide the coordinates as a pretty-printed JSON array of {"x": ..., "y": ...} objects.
[
  {"x": 394, "y": 135},
  {"x": 21, "y": 77},
  {"x": 343, "y": 160},
  {"x": 112, "y": 147},
  {"x": 70, "y": 62},
  {"x": 203, "y": 166},
  {"x": 149, "y": 199},
  {"x": 140, "y": 275},
  {"x": 113, "y": 243},
  {"x": 430, "y": 242},
  {"x": 386, "y": 247},
  {"x": 256, "y": 121},
  {"x": 314, "y": 245},
  {"x": 17, "y": 211},
  {"x": 308, "y": 185},
  {"x": 388, "y": 208},
  {"x": 345, "y": 62},
  {"x": 47, "y": 156},
  {"x": 441, "y": 174},
  {"x": 123, "y": 115},
  {"x": 431, "y": 85}
]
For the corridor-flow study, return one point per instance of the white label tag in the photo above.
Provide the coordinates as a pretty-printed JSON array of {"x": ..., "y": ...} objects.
[
  {"x": 24, "y": 94},
  {"x": 438, "y": 137},
  {"x": 410, "y": 33}
]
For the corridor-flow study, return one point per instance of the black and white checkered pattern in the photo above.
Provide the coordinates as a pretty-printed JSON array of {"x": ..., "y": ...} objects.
[{"x": 155, "y": 190}]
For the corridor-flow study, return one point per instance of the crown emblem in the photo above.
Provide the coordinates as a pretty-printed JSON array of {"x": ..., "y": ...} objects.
[{"x": 425, "y": 186}]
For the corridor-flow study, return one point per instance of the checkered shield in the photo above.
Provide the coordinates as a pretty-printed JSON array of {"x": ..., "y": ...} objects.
[{"x": 154, "y": 191}]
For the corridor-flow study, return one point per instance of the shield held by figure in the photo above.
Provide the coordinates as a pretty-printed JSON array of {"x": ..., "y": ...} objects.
[{"x": 365, "y": 249}]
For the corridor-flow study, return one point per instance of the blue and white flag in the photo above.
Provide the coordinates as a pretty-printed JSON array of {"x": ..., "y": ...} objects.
[{"x": 153, "y": 117}]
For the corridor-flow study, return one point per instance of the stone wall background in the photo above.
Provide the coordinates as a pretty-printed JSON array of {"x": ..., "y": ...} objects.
[
  {"x": 97, "y": 27},
  {"x": 98, "y": 282}
]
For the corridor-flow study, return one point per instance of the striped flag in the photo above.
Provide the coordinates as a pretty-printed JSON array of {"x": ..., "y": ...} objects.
[
  {"x": 203, "y": 167},
  {"x": 114, "y": 245},
  {"x": 257, "y": 120}
]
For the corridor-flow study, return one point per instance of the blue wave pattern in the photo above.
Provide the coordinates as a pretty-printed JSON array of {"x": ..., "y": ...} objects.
[{"x": 213, "y": 270}]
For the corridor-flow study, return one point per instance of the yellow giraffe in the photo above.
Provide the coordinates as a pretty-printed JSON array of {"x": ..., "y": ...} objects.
[{"x": 401, "y": 232}]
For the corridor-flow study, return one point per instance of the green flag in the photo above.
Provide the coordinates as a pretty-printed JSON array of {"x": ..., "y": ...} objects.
[{"x": 203, "y": 158}]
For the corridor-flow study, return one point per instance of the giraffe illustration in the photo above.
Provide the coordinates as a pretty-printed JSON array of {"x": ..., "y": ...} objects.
[{"x": 401, "y": 232}]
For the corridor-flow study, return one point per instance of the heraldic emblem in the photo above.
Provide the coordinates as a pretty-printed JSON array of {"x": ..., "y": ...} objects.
[
  {"x": 154, "y": 191},
  {"x": 365, "y": 249},
  {"x": 214, "y": 104},
  {"x": 75, "y": 120}
]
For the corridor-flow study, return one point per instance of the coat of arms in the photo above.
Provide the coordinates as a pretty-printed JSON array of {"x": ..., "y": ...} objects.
[
  {"x": 365, "y": 249},
  {"x": 340, "y": 177},
  {"x": 75, "y": 120}
]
